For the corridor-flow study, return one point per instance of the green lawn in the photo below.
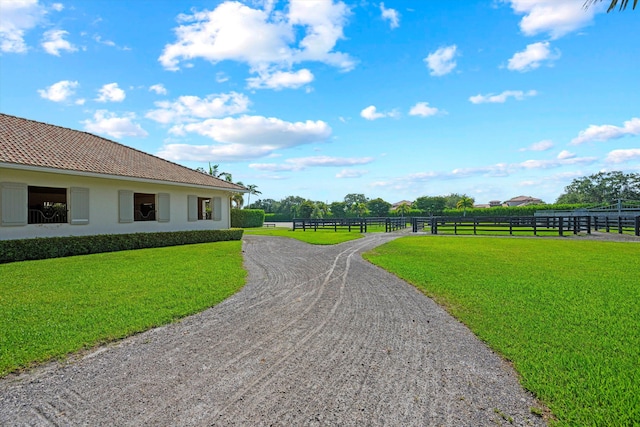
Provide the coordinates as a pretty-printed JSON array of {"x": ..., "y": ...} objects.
[
  {"x": 319, "y": 237},
  {"x": 565, "y": 312},
  {"x": 53, "y": 307}
]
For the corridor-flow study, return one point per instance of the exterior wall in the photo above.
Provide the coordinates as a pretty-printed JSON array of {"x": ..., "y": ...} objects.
[{"x": 104, "y": 207}]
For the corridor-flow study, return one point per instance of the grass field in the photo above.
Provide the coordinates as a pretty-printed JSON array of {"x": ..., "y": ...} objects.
[
  {"x": 53, "y": 307},
  {"x": 565, "y": 312},
  {"x": 319, "y": 237}
]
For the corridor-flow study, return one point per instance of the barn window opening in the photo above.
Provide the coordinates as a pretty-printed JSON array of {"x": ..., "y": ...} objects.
[
  {"x": 204, "y": 208},
  {"x": 144, "y": 207},
  {"x": 47, "y": 205}
]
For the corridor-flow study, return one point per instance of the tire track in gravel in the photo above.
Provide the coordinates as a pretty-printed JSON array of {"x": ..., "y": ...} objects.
[
  {"x": 318, "y": 336},
  {"x": 300, "y": 341}
]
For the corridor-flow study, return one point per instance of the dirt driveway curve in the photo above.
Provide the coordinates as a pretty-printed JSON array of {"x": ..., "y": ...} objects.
[{"x": 318, "y": 336}]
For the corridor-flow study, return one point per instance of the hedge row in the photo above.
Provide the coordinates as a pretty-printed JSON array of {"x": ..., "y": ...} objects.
[
  {"x": 54, "y": 247},
  {"x": 247, "y": 218}
]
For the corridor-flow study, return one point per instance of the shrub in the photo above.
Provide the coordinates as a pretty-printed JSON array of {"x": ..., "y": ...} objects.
[
  {"x": 54, "y": 247},
  {"x": 247, "y": 218}
]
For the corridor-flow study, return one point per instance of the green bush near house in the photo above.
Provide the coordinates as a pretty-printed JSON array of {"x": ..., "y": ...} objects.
[
  {"x": 247, "y": 218},
  {"x": 56, "y": 247}
]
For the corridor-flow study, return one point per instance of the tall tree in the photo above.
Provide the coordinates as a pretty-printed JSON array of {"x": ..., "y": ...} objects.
[
  {"x": 379, "y": 207},
  {"x": 464, "y": 203},
  {"x": 403, "y": 209},
  {"x": 338, "y": 209},
  {"x": 602, "y": 187},
  {"x": 431, "y": 205},
  {"x": 612, "y": 5},
  {"x": 253, "y": 189}
]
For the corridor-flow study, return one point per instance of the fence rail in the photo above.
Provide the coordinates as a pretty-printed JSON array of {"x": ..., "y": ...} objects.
[
  {"x": 357, "y": 224},
  {"x": 510, "y": 225}
]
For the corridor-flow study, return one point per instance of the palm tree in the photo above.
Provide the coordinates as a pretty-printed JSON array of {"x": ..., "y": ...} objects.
[
  {"x": 464, "y": 203},
  {"x": 612, "y": 5},
  {"x": 403, "y": 209},
  {"x": 253, "y": 189}
]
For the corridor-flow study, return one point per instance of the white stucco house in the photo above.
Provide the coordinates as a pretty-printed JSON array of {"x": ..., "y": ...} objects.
[{"x": 56, "y": 181}]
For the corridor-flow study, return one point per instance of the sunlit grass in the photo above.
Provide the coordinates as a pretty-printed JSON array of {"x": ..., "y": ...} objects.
[
  {"x": 53, "y": 307},
  {"x": 566, "y": 312}
]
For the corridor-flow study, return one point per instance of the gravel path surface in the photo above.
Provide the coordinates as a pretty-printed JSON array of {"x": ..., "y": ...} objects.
[{"x": 318, "y": 336}]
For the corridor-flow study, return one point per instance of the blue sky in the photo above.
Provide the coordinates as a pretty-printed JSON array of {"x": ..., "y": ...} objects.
[{"x": 321, "y": 98}]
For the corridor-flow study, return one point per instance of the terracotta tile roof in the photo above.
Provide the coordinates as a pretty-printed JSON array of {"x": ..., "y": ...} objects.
[{"x": 31, "y": 143}]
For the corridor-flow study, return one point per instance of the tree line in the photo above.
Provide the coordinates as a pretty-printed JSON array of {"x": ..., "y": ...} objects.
[{"x": 597, "y": 189}]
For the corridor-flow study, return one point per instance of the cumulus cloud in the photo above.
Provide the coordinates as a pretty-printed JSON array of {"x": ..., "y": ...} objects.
[
  {"x": 532, "y": 57},
  {"x": 16, "y": 18},
  {"x": 300, "y": 163},
  {"x": 422, "y": 109},
  {"x": 193, "y": 108},
  {"x": 371, "y": 113},
  {"x": 391, "y": 15},
  {"x": 243, "y": 138},
  {"x": 108, "y": 123},
  {"x": 543, "y": 145},
  {"x": 566, "y": 154},
  {"x": 554, "y": 17},
  {"x": 60, "y": 91},
  {"x": 623, "y": 155},
  {"x": 606, "y": 132},
  {"x": 281, "y": 79},
  {"x": 110, "y": 93},
  {"x": 501, "y": 97},
  {"x": 158, "y": 89},
  {"x": 54, "y": 42},
  {"x": 351, "y": 173},
  {"x": 266, "y": 40},
  {"x": 442, "y": 61}
]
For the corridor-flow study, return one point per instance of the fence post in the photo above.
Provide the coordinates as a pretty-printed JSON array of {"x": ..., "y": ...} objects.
[
  {"x": 588, "y": 225},
  {"x": 510, "y": 226},
  {"x": 561, "y": 225},
  {"x": 637, "y": 225},
  {"x": 619, "y": 225}
]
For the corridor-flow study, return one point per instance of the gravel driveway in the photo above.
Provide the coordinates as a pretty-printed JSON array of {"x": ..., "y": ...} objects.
[{"x": 318, "y": 336}]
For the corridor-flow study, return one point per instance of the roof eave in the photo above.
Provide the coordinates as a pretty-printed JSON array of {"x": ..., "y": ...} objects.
[{"x": 19, "y": 166}]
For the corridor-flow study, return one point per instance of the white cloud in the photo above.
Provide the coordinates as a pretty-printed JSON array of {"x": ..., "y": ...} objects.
[
  {"x": 543, "y": 145},
  {"x": 501, "y": 97},
  {"x": 158, "y": 89},
  {"x": 371, "y": 113},
  {"x": 622, "y": 156},
  {"x": 192, "y": 108},
  {"x": 566, "y": 154},
  {"x": 107, "y": 123},
  {"x": 16, "y": 18},
  {"x": 351, "y": 173},
  {"x": 99, "y": 39},
  {"x": 54, "y": 42},
  {"x": 532, "y": 57},
  {"x": 301, "y": 163},
  {"x": 110, "y": 93},
  {"x": 260, "y": 131},
  {"x": 390, "y": 15},
  {"x": 422, "y": 109},
  {"x": 442, "y": 61},
  {"x": 264, "y": 39},
  {"x": 555, "y": 17},
  {"x": 58, "y": 7},
  {"x": 60, "y": 91},
  {"x": 606, "y": 132},
  {"x": 221, "y": 77},
  {"x": 281, "y": 79}
]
